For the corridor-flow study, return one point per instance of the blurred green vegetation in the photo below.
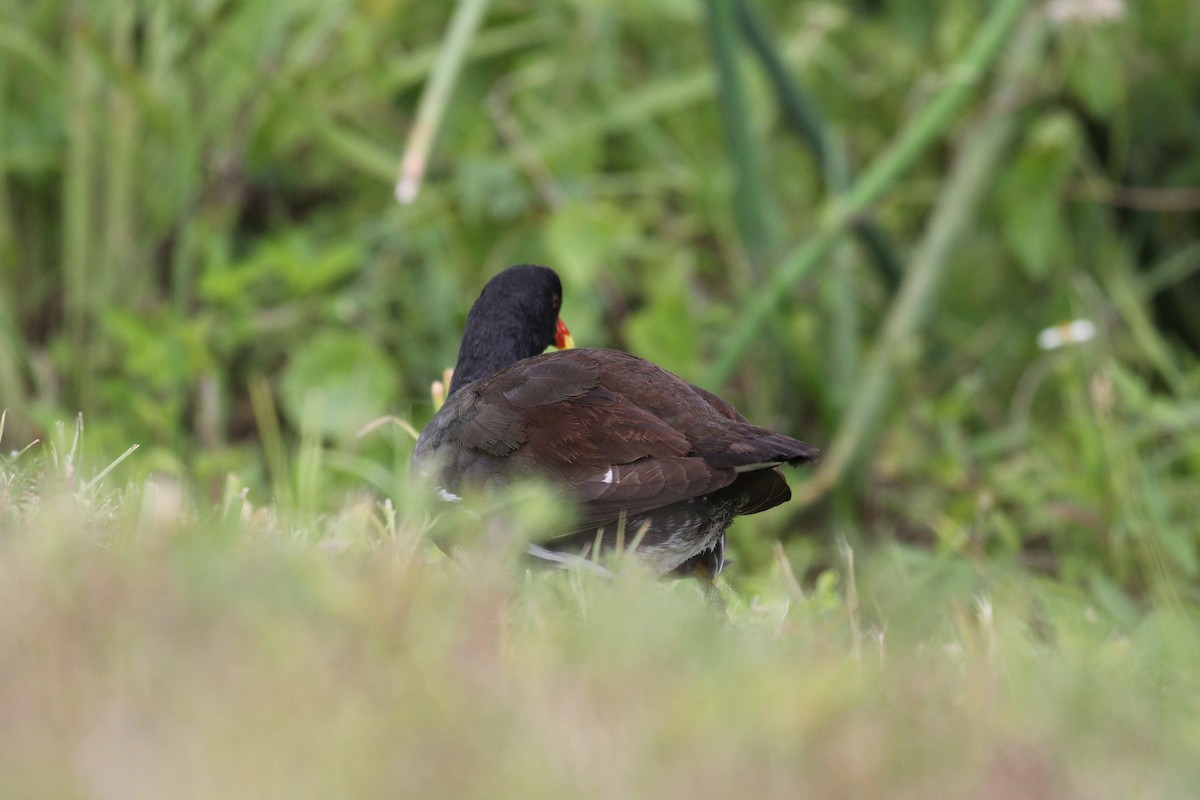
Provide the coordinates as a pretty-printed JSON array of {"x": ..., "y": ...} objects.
[
  {"x": 218, "y": 327},
  {"x": 851, "y": 220}
]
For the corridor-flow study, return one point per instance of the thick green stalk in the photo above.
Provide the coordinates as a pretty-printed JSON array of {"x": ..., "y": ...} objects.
[
  {"x": 118, "y": 266},
  {"x": 78, "y": 185},
  {"x": 803, "y": 116},
  {"x": 10, "y": 377},
  {"x": 749, "y": 202},
  {"x": 975, "y": 170},
  {"x": 797, "y": 110}
]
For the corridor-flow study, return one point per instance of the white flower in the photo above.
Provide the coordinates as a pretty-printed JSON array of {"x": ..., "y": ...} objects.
[{"x": 1076, "y": 331}]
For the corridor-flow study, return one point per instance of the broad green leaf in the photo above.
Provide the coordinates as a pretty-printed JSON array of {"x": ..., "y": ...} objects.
[{"x": 337, "y": 382}]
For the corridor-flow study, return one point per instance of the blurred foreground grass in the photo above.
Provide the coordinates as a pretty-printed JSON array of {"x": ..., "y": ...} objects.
[{"x": 153, "y": 651}]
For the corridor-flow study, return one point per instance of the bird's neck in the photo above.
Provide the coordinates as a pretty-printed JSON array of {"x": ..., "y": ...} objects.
[{"x": 490, "y": 348}]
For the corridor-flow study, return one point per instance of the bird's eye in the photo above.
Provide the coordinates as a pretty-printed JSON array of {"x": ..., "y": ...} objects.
[{"x": 554, "y": 302}]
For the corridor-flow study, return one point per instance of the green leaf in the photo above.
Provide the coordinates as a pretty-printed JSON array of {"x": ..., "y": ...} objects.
[
  {"x": 665, "y": 330},
  {"x": 336, "y": 383},
  {"x": 1036, "y": 228},
  {"x": 1096, "y": 73},
  {"x": 585, "y": 238}
]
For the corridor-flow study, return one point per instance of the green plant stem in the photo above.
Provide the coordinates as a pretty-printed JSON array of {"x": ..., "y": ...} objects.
[
  {"x": 11, "y": 385},
  {"x": 271, "y": 436},
  {"x": 1124, "y": 295},
  {"x": 467, "y": 16},
  {"x": 497, "y": 40},
  {"x": 78, "y": 223},
  {"x": 1172, "y": 270},
  {"x": 749, "y": 202},
  {"x": 803, "y": 116},
  {"x": 639, "y": 104},
  {"x": 799, "y": 111},
  {"x": 932, "y": 122},
  {"x": 118, "y": 265},
  {"x": 975, "y": 169}
]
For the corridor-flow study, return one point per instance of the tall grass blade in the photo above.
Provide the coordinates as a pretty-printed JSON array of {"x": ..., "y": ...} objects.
[
  {"x": 116, "y": 462},
  {"x": 271, "y": 436},
  {"x": 467, "y": 16},
  {"x": 803, "y": 116},
  {"x": 749, "y": 195},
  {"x": 118, "y": 265},
  {"x": 78, "y": 224},
  {"x": 955, "y": 211}
]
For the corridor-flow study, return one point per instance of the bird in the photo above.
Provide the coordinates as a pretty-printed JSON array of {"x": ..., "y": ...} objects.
[{"x": 643, "y": 455}]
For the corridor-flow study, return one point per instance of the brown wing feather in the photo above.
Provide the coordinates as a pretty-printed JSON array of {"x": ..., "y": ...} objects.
[
  {"x": 623, "y": 435},
  {"x": 493, "y": 428},
  {"x": 546, "y": 381},
  {"x": 723, "y": 408},
  {"x": 644, "y": 486},
  {"x": 597, "y": 429}
]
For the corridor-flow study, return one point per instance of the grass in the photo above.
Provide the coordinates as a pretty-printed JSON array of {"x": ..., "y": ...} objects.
[
  {"x": 989, "y": 589},
  {"x": 152, "y": 650}
]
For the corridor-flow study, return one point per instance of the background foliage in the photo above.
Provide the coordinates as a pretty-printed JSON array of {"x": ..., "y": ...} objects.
[
  {"x": 196, "y": 203},
  {"x": 850, "y": 219}
]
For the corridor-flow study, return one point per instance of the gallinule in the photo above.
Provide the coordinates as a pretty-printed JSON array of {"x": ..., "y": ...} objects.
[{"x": 631, "y": 444}]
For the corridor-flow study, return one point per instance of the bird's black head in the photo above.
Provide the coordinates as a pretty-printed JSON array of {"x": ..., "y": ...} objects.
[{"x": 515, "y": 317}]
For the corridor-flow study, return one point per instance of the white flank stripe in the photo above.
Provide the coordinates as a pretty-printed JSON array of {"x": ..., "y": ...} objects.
[
  {"x": 567, "y": 560},
  {"x": 758, "y": 466},
  {"x": 449, "y": 497}
]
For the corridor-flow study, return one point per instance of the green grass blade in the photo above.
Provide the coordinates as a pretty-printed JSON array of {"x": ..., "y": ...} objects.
[
  {"x": 749, "y": 195},
  {"x": 974, "y": 173},
  {"x": 78, "y": 223},
  {"x": 467, "y": 16},
  {"x": 803, "y": 116}
]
